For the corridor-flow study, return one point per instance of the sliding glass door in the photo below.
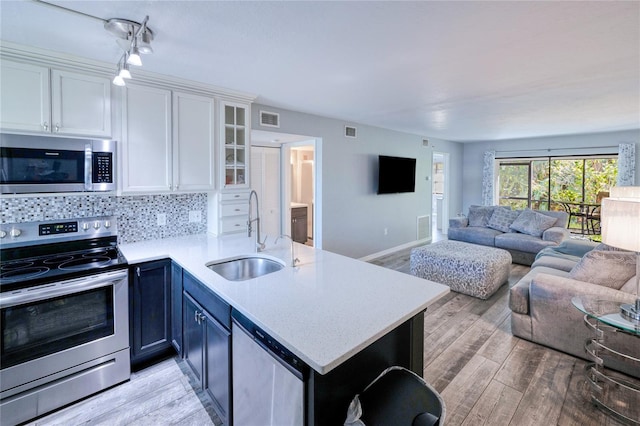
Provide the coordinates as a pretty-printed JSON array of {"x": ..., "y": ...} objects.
[{"x": 557, "y": 183}]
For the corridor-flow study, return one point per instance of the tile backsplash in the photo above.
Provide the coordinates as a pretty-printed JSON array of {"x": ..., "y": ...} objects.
[{"x": 137, "y": 215}]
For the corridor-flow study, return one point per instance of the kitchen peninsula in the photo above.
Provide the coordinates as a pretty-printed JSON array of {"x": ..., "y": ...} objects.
[{"x": 346, "y": 319}]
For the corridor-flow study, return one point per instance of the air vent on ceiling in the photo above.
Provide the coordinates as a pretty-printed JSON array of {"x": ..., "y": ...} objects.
[
  {"x": 269, "y": 119},
  {"x": 350, "y": 132},
  {"x": 423, "y": 227}
]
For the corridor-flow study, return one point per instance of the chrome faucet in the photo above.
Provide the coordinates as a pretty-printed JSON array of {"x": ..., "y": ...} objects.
[
  {"x": 259, "y": 244},
  {"x": 294, "y": 259}
]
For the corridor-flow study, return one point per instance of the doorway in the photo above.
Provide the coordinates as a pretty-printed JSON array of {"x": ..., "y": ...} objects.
[
  {"x": 302, "y": 193},
  {"x": 440, "y": 196},
  {"x": 289, "y": 189}
]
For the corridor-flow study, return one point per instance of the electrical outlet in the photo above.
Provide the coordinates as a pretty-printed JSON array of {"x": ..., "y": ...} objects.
[
  {"x": 386, "y": 231},
  {"x": 195, "y": 216},
  {"x": 161, "y": 219}
]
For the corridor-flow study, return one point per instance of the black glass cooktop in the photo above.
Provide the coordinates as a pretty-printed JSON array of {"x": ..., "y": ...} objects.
[{"x": 35, "y": 265}]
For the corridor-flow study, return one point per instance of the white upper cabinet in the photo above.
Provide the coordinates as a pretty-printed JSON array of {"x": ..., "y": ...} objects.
[
  {"x": 235, "y": 159},
  {"x": 193, "y": 142},
  {"x": 168, "y": 140},
  {"x": 80, "y": 104},
  {"x": 146, "y": 139},
  {"x": 25, "y": 104},
  {"x": 37, "y": 99}
]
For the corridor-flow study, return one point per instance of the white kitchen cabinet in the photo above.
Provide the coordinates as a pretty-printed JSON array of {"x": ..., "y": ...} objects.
[
  {"x": 235, "y": 145},
  {"x": 80, "y": 104},
  {"x": 25, "y": 104},
  {"x": 234, "y": 211},
  {"x": 146, "y": 139},
  {"x": 193, "y": 142},
  {"x": 37, "y": 99},
  {"x": 168, "y": 140}
]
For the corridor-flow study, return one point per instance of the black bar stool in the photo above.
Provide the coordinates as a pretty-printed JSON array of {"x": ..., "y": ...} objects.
[{"x": 397, "y": 397}]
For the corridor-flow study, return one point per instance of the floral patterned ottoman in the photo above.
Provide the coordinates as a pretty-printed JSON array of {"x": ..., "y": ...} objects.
[{"x": 466, "y": 268}]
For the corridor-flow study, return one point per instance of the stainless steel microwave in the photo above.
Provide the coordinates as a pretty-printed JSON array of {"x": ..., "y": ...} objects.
[{"x": 40, "y": 164}]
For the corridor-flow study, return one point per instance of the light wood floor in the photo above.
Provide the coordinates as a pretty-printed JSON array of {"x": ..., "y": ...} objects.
[{"x": 485, "y": 375}]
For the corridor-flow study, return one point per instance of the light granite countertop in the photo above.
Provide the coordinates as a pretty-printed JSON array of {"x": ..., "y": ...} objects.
[{"x": 325, "y": 310}]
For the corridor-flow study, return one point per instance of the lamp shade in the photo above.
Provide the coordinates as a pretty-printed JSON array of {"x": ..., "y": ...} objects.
[{"x": 621, "y": 218}]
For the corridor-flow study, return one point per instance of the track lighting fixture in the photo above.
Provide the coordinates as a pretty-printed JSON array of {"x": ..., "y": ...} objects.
[{"x": 135, "y": 39}]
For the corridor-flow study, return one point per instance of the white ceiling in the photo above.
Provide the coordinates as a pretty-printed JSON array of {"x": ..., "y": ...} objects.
[{"x": 455, "y": 70}]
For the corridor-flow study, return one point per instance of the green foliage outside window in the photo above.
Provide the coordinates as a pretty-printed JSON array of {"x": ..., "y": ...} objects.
[{"x": 553, "y": 180}]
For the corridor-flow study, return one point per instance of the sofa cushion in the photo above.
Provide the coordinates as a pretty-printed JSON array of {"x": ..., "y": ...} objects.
[
  {"x": 521, "y": 242},
  {"x": 607, "y": 268},
  {"x": 474, "y": 234},
  {"x": 479, "y": 215},
  {"x": 501, "y": 219},
  {"x": 630, "y": 286},
  {"x": 519, "y": 293},
  {"x": 532, "y": 223},
  {"x": 605, "y": 247},
  {"x": 560, "y": 263}
]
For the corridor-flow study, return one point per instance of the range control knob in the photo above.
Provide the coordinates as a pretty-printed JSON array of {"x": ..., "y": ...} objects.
[
  {"x": 3, "y": 234},
  {"x": 107, "y": 224},
  {"x": 85, "y": 226},
  {"x": 15, "y": 232},
  {"x": 96, "y": 225}
]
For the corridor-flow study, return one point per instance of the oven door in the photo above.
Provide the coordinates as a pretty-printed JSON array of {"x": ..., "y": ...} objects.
[{"x": 49, "y": 329}]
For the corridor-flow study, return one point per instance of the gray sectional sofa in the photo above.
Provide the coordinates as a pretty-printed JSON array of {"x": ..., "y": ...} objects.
[
  {"x": 541, "y": 306},
  {"x": 523, "y": 233}
]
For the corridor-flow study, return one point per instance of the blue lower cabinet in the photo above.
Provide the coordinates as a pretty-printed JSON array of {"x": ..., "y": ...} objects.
[
  {"x": 149, "y": 310},
  {"x": 176, "y": 308},
  {"x": 207, "y": 343}
]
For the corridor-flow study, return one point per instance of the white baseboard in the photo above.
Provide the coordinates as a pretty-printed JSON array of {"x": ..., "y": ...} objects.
[{"x": 395, "y": 249}]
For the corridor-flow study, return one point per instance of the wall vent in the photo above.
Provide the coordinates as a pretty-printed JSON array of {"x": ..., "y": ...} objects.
[
  {"x": 423, "y": 227},
  {"x": 350, "y": 132},
  {"x": 269, "y": 119}
]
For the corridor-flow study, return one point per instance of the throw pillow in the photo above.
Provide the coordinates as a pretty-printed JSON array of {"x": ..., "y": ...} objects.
[
  {"x": 501, "y": 219},
  {"x": 479, "y": 215},
  {"x": 532, "y": 223},
  {"x": 607, "y": 268}
]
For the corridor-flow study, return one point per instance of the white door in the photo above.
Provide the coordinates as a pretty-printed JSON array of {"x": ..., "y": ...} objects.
[{"x": 265, "y": 180}]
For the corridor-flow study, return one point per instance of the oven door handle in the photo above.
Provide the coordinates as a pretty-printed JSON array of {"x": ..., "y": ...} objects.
[{"x": 62, "y": 288}]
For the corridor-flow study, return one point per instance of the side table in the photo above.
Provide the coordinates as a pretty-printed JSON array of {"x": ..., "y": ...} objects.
[{"x": 613, "y": 392}]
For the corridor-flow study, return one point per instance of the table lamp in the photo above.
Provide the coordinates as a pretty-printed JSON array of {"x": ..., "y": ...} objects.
[{"x": 621, "y": 229}]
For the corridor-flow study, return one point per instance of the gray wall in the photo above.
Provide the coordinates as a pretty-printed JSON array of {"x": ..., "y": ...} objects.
[
  {"x": 354, "y": 217},
  {"x": 560, "y": 145}
]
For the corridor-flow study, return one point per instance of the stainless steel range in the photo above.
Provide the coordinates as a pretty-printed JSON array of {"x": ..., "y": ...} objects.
[{"x": 63, "y": 314}]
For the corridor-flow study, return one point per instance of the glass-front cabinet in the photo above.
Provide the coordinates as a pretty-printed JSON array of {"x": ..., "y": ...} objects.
[{"x": 236, "y": 147}]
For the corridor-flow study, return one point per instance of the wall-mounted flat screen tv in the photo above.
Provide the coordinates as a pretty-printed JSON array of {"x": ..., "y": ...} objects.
[{"x": 396, "y": 174}]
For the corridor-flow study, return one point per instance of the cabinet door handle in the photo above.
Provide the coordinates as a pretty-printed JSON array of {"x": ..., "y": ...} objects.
[
  {"x": 138, "y": 271},
  {"x": 46, "y": 126},
  {"x": 195, "y": 316},
  {"x": 57, "y": 127}
]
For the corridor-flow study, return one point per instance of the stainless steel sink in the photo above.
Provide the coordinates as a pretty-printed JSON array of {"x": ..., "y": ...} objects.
[{"x": 244, "y": 267}]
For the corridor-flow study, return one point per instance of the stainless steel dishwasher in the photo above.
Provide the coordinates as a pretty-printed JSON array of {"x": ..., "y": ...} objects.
[{"x": 268, "y": 380}]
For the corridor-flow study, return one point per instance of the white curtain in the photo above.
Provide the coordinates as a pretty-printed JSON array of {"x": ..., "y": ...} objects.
[
  {"x": 626, "y": 164},
  {"x": 488, "y": 178}
]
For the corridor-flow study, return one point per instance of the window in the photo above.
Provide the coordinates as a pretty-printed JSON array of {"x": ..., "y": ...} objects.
[{"x": 546, "y": 183}]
